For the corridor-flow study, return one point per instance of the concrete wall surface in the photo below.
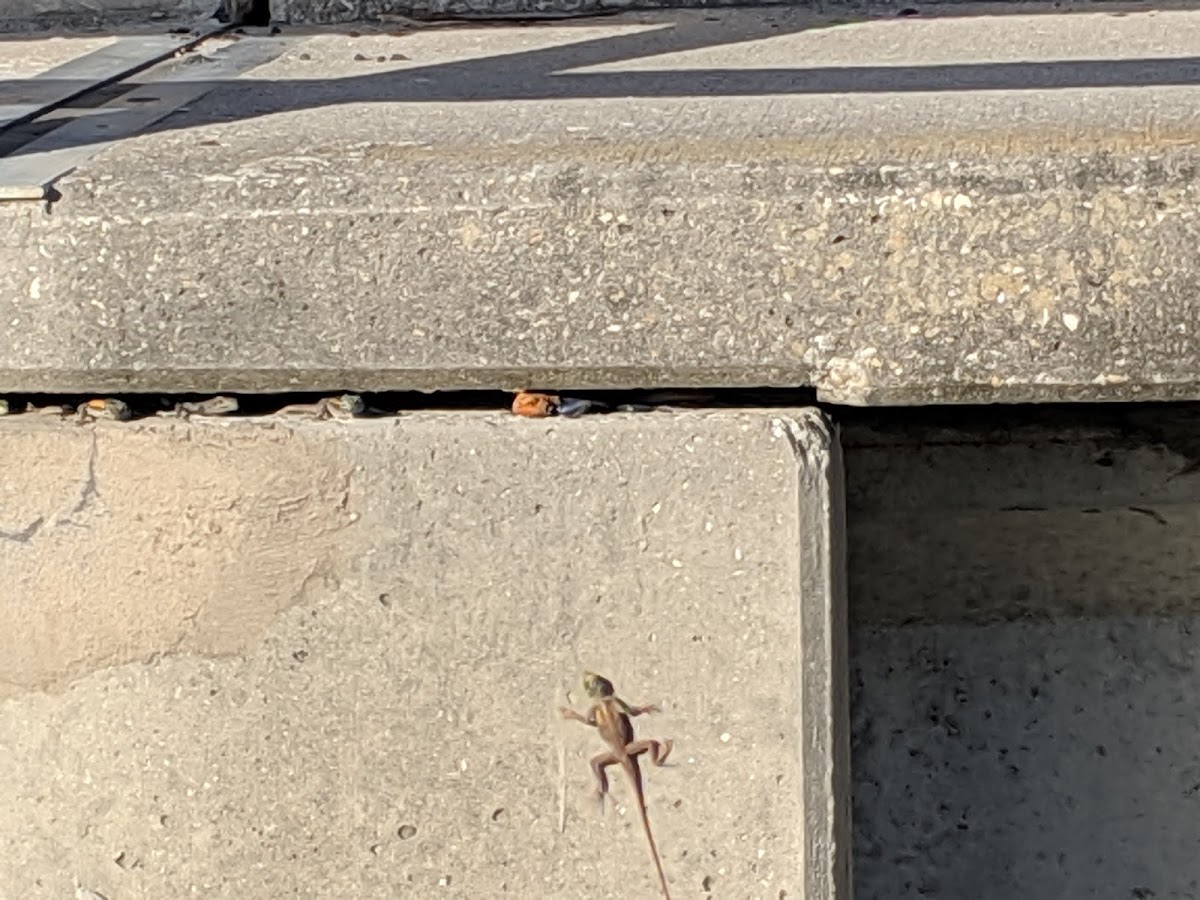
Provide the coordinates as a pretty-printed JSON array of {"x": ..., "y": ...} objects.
[
  {"x": 1025, "y": 656},
  {"x": 262, "y": 659}
]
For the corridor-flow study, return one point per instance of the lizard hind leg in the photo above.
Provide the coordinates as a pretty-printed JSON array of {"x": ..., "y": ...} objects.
[
  {"x": 600, "y": 762},
  {"x": 658, "y": 751}
]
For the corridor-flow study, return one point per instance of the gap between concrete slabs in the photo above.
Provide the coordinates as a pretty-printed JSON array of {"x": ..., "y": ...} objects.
[{"x": 254, "y": 659}]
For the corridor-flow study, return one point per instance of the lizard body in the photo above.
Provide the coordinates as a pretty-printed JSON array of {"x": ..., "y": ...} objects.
[
  {"x": 610, "y": 715},
  {"x": 214, "y": 406},
  {"x": 343, "y": 406},
  {"x": 56, "y": 409}
]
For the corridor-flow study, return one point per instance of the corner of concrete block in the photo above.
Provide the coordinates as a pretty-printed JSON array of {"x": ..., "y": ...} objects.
[
  {"x": 814, "y": 442},
  {"x": 815, "y": 446}
]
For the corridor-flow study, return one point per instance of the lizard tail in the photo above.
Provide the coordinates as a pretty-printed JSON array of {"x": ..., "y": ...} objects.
[{"x": 635, "y": 774}]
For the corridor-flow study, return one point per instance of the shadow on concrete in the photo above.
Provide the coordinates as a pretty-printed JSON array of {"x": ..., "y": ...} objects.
[
  {"x": 1026, "y": 652},
  {"x": 1052, "y": 761},
  {"x": 547, "y": 73}
]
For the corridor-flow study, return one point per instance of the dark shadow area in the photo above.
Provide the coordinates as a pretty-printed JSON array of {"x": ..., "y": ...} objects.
[
  {"x": 970, "y": 514},
  {"x": 1053, "y": 761},
  {"x": 144, "y": 405},
  {"x": 246, "y": 12},
  {"x": 546, "y": 73},
  {"x": 1025, "y": 597}
]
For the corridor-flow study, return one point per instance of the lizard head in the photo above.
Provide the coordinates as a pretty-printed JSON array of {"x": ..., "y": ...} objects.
[
  {"x": 352, "y": 403},
  {"x": 597, "y": 686}
]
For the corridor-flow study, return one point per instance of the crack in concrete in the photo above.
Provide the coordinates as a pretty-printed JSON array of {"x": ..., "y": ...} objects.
[
  {"x": 90, "y": 491},
  {"x": 25, "y": 535},
  {"x": 1151, "y": 513}
]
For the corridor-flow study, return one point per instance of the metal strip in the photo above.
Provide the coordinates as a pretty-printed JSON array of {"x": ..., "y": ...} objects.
[
  {"x": 24, "y": 100},
  {"x": 30, "y": 171}
]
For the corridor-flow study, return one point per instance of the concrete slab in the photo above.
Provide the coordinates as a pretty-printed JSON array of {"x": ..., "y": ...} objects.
[
  {"x": 39, "y": 55},
  {"x": 30, "y": 172},
  {"x": 39, "y": 15},
  {"x": 257, "y": 658},
  {"x": 950, "y": 207}
]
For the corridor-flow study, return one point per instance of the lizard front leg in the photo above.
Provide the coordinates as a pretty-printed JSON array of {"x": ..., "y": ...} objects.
[
  {"x": 637, "y": 710},
  {"x": 571, "y": 716}
]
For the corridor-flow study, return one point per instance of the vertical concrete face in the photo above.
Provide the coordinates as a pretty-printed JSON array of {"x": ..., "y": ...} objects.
[
  {"x": 257, "y": 659},
  {"x": 1025, "y": 663},
  {"x": 1044, "y": 760}
]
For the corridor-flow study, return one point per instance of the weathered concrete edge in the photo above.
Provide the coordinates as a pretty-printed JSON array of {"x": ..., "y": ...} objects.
[
  {"x": 1081, "y": 282},
  {"x": 823, "y": 653}
]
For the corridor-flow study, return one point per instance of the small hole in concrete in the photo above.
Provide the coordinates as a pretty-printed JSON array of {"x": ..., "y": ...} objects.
[{"x": 406, "y": 831}]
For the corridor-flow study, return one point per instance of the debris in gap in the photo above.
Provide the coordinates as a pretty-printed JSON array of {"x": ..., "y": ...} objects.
[
  {"x": 104, "y": 408},
  {"x": 577, "y": 406},
  {"x": 54, "y": 409},
  {"x": 537, "y": 405}
]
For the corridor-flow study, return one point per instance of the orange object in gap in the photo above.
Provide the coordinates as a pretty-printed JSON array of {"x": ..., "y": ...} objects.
[{"x": 533, "y": 405}]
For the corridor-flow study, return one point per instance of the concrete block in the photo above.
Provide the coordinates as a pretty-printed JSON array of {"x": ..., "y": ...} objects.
[
  {"x": 731, "y": 198},
  {"x": 258, "y": 658}
]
